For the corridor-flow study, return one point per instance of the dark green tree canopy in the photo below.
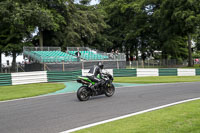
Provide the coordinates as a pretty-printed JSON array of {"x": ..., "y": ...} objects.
[{"x": 132, "y": 26}]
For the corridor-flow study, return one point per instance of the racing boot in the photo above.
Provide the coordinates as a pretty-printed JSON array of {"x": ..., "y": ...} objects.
[{"x": 93, "y": 88}]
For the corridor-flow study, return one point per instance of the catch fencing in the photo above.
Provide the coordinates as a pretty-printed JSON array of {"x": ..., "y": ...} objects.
[
  {"x": 73, "y": 66},
  {"x": 160, "y": 63},
  {"x": 57, "y": 76},
  {"x": 29, "y": 77}
]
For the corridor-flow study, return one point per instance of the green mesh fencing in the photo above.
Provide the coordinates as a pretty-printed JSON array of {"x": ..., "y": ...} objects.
[
  {"x": 168, "y": 72},
  {"x": 59, "y": 76},
  {"x": 5, "y": 79},
  {"x": 125, "y": 72}
]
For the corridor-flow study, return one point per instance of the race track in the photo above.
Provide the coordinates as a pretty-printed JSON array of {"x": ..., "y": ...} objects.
[{"x": 53, "y": 114}]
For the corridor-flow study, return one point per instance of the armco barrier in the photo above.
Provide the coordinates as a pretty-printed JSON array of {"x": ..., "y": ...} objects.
[
  {"x": 197, "y": 71},
  {"x": 85, "y": 72},
  {"x": 147, "y": 72},
  {"x": 124, "y": 73},
  {"x": 186, "y": 72},
  {"x": 57, "y": 76},
  {"x": 5, "y": 79},
  {"x": 29, "y": 77},
  {"x": 168, "y": 72}
]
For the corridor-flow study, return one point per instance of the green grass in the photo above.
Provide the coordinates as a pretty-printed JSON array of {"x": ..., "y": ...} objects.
[
  {"x": 29, "y": 90},
  {"x": 182, "y": 118},
  {"x": 160, "y": 79}
]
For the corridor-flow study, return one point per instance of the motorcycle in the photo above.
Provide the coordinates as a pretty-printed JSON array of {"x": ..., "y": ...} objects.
[{"x": 85, "y": 91}]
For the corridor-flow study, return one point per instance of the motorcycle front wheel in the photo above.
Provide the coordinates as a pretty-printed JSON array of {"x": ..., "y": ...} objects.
[
  {"x": 83, "y": 93},
  {"x": 110, "y": 90}
]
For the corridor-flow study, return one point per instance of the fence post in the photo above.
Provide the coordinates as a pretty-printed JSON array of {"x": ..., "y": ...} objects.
[
  {"x": 63, "y": 66},
  {"x": 44, "y": 67},
  {"x": 17, "y": 68},
  {"x": 82, "y": 64},
  {"x": 117, "y": 64},
  {"x": 142, "y": 63}
]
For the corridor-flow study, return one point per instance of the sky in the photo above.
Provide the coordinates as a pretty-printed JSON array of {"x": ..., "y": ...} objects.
[{"x": 93, "y": 2}]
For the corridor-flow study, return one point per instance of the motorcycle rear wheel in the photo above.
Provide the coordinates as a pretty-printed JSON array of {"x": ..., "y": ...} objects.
[{"x": 83, "y": 94}]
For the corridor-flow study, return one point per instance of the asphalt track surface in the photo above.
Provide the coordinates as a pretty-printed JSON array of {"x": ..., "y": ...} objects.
[{"x": 53, "y": 114}]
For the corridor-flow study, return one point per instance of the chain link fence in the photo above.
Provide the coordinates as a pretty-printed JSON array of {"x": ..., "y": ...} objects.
[
  {"x": 162, "y": 63},
  {"x": 4, "y": 68},
  {"x": 71, "y": 66},
  {"x": 28, "y": 49}
]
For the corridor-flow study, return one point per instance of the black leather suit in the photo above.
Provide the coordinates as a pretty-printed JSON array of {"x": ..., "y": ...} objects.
[{"x": 94, "y": 71}]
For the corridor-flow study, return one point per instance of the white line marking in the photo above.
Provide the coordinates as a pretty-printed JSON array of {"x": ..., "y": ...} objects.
[{"x": 129, "y": 115}]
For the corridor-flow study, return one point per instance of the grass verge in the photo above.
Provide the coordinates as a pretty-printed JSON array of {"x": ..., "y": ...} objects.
[
  {"x": 160, "y": 79},
  {"x": 28, "y": 90},
  {"x": 182, "y": 118}
]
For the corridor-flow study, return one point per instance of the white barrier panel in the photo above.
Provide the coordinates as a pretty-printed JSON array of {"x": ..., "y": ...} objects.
[
  {"x": 147, "y": 72},
  {"x": 29, "y": 77},
  {"x": 186, "y": 72},
  {"x": 85, "y": 72}
]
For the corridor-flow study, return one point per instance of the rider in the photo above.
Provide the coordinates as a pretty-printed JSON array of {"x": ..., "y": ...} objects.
[{"x": 94, "y": 71}]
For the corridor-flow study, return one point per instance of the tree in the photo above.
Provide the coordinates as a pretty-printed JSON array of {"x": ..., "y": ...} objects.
[
  {"x": 84, "y": 24},
  {"x": 180, "y": 18},
  {"x": 131, "y": 26},
  {"x": 11, "y": 34},
  {"x": 44, "y": 15},
  {"x": 19, "y": 18}
]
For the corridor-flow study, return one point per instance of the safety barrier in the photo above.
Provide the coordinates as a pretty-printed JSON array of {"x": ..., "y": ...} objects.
[
  {"x": 147, "y": 72},
  {"x": 5, "y": 79},
  {"x": 186, "y": 72},
  {"x": 29, "y": 77},
  {"x": 59, "y": 76},
  {"x": 197, "y": 71},
  {"x": 85, "y": 72},
  {"x": 124, "y": 72},
  {"x": 155, "y": 72},
  {"x": 168, "y": 72}
]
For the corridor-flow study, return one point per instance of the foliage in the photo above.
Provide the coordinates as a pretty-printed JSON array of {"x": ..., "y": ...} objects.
[
  {"x": 196, "y": 54},
  {"x": 19, "y": 19},
  {"x": 137, "y": 27}
]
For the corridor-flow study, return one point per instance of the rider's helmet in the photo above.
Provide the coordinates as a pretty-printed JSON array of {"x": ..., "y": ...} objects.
[{"x": 100, "y": 64}]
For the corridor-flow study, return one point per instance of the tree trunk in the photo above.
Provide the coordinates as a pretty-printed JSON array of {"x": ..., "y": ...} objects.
[
  {"x": 190, "y": 63},
  {"x": 41, "y": 39},
  {"x": 137, "y": 57},
  {"x": 127, "y": 55},
  {"x": 14, "y": 62}
]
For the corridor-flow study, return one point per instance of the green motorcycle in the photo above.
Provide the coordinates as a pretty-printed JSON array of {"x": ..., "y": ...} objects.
[{"x": 85, "y": 92}]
